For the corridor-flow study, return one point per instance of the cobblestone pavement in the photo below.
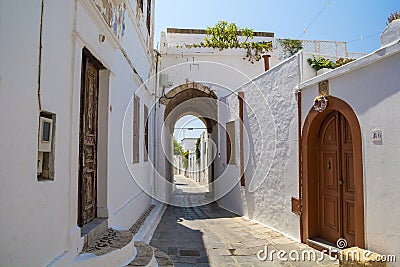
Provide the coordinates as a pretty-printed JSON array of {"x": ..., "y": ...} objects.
[
  {"x": 189, "y": 193},
  {"x": 211, "y": 236}
]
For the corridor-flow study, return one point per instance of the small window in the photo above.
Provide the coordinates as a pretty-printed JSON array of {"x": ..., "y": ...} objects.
[
  {"x": 136, "y": 127},
  {"x": 230, "y": 143}
]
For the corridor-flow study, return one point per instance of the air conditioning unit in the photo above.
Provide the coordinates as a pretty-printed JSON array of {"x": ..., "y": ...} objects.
[{"x": 45, "y": 134}]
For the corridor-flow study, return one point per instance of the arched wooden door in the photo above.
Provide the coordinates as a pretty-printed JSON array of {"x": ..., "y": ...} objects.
[{"x": 336, "y": 187}]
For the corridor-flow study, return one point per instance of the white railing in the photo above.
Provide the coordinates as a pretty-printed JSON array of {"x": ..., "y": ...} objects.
[{"x": 329, "y": 48}]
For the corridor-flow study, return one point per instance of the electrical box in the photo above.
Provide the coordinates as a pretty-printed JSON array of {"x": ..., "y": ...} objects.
[
  {"x": 45, "y": 134},
  {"x": 164, "y": 80},
  {"x": 40, "y": 163}
]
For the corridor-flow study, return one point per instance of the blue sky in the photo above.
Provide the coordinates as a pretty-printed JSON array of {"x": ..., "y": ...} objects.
[
  {"x": 188, "y": 122},
  {"x": 340, "y": 20}
]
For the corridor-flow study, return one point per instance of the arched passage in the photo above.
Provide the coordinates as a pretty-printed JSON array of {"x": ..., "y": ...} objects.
[
  {"x": 189, "y": 99},
  {"x": 325, "y": 166}
]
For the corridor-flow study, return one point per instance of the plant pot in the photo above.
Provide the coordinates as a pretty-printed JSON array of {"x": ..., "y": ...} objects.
[{"x": 322, "y": 71}]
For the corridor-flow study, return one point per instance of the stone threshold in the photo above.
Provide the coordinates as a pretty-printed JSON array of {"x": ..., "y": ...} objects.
[
  {"x": 109, "y": 241},
  {"x": 113, "y": 248},
  {"x": 93, "y": 231},
  {"x": 321, "y": 245}
]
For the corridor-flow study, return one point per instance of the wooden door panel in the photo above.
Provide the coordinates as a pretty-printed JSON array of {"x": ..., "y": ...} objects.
[
  {"x": 336, "y": 180},
  {"x": 348, "y": 188},
  {"x": 349, "y": 228},
  {"x": 331, "y": 216},
  {"x": 88, "y": 144},
  {"x": 348, "y": 173},
  {"x": 329, "y": 197},
  {"x": 329, "y": 175},
  {"x": 329, "y": 133}
]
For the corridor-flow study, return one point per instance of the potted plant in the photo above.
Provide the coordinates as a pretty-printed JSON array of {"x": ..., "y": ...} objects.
[
  {"x": 342, "y": 61},
  {"x": 320, "y": 64}
]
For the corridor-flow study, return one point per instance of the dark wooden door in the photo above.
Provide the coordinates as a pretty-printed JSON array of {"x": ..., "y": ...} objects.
[
  {"x": 336, "y": 180},
  {"x": 88, "y": 142}
]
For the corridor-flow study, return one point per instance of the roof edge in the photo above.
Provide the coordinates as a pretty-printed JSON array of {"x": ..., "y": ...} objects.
[{"x": 202, "y": 31}]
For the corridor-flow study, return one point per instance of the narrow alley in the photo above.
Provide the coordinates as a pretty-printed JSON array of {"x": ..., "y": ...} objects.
[{"x": 211, "y": 236}]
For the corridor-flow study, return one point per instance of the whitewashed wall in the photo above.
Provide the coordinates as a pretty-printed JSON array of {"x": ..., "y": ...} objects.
[
  {"x": 371, "y": 86},
  {"x": 34, "y": 216},
  {"x": 39, "y": 219},
  {"x": 209, "y": 65},
  {"x": 271, "y": 126},
  {"x": 222, "y": 71}
]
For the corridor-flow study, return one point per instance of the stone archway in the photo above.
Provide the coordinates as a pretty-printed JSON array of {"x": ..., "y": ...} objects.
[
  {"x": 311, "y": 170},
  {"x": 193, "y": 99}
]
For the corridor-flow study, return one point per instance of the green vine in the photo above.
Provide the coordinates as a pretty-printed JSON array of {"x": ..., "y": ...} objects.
[
  {"x": 185, "y": 159},
  {"x": 226, "y": 35},
  {"x": 198, "y": 149},
  {"x": 319, "y": 62},
  {"x": 290, "y": 46}
]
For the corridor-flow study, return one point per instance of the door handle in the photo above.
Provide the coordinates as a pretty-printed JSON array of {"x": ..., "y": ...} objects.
[{"x": 340, "y": 182}]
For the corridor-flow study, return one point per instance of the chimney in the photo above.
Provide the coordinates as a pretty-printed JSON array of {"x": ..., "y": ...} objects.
[{"x": 266, "y": 62}]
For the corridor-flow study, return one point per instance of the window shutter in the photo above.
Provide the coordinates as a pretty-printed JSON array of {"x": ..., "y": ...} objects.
[
  {"x": 146, "y": 133},
  {"x": 230, "y": 143},
  {"x": 136, "y": 126}
]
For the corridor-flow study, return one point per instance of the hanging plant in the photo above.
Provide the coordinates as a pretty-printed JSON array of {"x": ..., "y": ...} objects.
[
  {"x": 342, "y": 61},
  {"x": 226, "y": 35}
]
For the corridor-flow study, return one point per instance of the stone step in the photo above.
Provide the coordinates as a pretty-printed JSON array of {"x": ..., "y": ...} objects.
[
  {"x": 150, "y": 257},
  {"x": 144, "y": 256},
  {"x": 113, "y": 248},
  {"x": 162, "y": 258}
]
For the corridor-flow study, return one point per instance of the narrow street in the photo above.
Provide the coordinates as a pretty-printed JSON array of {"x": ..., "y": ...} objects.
[
  {"x": 188, "y": 193},
  {"x": 211, "y": 236}
]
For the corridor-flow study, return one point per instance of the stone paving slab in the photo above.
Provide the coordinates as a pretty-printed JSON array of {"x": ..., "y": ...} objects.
[
  {"x": 219, "y": 241},
  {"x": 219, "y": 237}
]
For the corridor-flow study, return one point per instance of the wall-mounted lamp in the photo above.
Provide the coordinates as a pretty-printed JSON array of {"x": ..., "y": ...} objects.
[{"x": 102, "y": 38}]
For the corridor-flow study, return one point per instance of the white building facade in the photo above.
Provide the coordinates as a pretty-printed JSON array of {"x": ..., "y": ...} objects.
[
  {"x": 68, "y": 73},
  {"x": 87, "y": 132},
  {"x": 328, "y": 174}
]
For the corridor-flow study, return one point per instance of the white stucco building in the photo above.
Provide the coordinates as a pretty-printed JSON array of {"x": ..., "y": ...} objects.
[
  {"x": 256, "y": 171},
  {"x": 86, "y": 142},
  {"x": 347, "y": 153},
  {"x": 188, "y": 143},
  {"x": 68, "y": 73}
]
